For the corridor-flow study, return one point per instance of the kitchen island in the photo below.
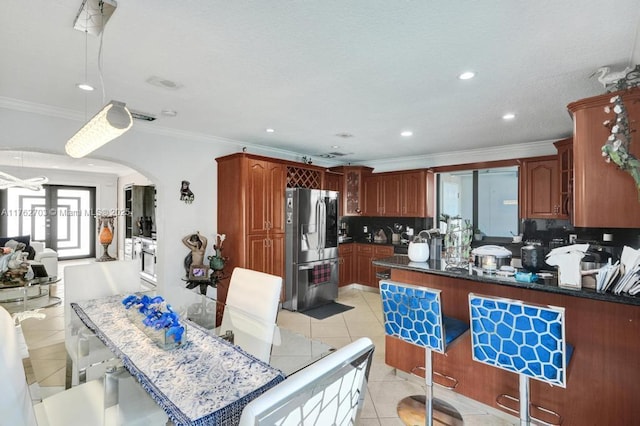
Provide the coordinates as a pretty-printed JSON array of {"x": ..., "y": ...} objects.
[{"x": 603, "y": 376}]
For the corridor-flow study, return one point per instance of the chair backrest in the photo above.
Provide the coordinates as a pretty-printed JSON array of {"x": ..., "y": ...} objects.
[
  {"x": 524, "y": 338},
  {"x": 15, "y": 404},
  {"x": 329, "y": 392},
  {"x": 99, "y": 279},
  {"x": 413, "y": 314},
  {"x": 255, "y": 292}
]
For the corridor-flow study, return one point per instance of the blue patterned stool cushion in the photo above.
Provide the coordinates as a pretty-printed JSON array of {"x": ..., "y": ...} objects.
[
  {"x": 523, "y": 338},
  {"x": 414, "y": 314}
]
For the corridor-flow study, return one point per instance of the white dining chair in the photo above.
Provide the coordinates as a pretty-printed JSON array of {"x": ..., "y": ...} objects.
[
  {"x": 81, "y": 405},
  {"x": 255, "y": 292},
  {"x": 91, "y": 281},
  {"x": 251, "y": 311},
  {"x": 328, "y": 392}
]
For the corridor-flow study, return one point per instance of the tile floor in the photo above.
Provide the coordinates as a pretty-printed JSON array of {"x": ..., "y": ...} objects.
[{"x": 46, "y": 365}]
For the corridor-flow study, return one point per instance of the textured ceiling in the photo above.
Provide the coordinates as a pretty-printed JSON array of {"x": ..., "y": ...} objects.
[{"x": 315, "y": 69}]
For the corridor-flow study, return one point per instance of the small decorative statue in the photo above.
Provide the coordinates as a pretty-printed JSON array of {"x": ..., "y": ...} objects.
[
  {"x": 197, "y": 244},
  {"x": 186, "y": 194}
]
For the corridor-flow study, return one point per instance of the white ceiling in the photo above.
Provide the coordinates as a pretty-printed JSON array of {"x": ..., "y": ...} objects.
[{"x": 316, "y": 69}]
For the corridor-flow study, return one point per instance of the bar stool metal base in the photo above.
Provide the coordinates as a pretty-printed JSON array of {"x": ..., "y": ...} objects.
[{"x": 411, "y": 411}]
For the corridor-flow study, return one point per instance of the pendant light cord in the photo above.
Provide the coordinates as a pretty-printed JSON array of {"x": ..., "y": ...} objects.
[{"x": 104, "y": 100}]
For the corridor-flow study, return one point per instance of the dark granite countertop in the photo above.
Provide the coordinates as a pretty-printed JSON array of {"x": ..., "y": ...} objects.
[{"x": 548, "y": 284}]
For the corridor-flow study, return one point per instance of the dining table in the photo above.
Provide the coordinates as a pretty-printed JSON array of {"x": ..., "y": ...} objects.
[{"x": 227, "y": 357}]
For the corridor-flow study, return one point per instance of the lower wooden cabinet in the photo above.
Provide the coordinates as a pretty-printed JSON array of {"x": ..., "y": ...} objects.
[
  {"x": 365, "y": 271},
  {"x": 346, "y": 258}
]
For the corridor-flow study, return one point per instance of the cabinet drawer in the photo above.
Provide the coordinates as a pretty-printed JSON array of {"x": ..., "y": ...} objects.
[
  {"x": 345, "y": 249},
  {"x": 365, "y": 249},
  {"x": 385, "y": 251}
]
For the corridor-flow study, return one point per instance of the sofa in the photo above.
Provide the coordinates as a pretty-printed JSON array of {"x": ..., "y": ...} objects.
[
  {"x": 47, "y": 256},
  {"x": 36, "y": 252}
]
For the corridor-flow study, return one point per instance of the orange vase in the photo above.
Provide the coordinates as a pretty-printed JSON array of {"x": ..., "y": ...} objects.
[{"x": 106, "y": 236}]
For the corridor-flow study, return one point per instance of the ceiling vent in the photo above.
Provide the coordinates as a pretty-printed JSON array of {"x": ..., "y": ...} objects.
[
  {"x": 164, "y": 83},
  {"x": 142, "y": 116},
  {"x": 334, "y": 154}
]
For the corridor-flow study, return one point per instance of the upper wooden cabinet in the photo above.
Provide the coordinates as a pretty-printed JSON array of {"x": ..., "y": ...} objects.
[
  {"x": 265, "y": 203},
  {"x": 565, "y": 176},
  {"x": 541, "y": 199},
  {"x": 604, "y": 195},
  {"x": 399, "y": 194},
  {"x": 332, "y": 181},
  {"x": 351, "y": 191}
]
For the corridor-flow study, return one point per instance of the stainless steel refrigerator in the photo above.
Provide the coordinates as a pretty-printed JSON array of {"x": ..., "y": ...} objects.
[{"x": 311, "y": 241}]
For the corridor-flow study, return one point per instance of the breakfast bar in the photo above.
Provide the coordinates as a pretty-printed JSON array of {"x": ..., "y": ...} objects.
[{"x": 604, "y": 373}]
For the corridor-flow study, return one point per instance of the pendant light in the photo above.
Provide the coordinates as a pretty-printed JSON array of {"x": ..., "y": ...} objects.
[{"x": 114, "y": 118}]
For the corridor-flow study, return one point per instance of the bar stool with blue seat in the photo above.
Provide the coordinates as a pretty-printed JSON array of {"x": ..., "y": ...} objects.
[
  {"x": 524, "y": 338},
  {"x": 414, "y": 315}
]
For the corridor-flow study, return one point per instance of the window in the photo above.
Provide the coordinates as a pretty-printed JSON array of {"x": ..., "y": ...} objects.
[{"x": 488, "y": 198}]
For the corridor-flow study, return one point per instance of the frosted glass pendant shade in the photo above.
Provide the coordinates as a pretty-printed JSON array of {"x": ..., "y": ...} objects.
[{"x": 112, "y": 121}]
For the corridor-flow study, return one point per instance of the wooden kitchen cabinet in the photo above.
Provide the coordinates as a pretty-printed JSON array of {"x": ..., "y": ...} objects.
[
  {"x": 363, "y": 267},
  {"x": 352, "y": 191},
  {"x": 399, "y": 194},
  {"x": 604, "y": 195},
  {"x": 372, "y": 191},
  {"x": 266, "y": 253},
  {"x": 418, "y": 194},
  {"x": 365, "y": 270},
  {"x": 541, "y": 197},
  {"x": 565, "y": 176},
  {"x": 346, "y": 259},
  {"x": 333, "y": 181},
  {"x": 251, "y": 192},
  {"x": 265, "y": 190}
]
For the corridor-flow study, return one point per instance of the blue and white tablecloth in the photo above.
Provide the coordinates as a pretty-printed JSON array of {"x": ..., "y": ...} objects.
[{"x": 206, "y": 381}]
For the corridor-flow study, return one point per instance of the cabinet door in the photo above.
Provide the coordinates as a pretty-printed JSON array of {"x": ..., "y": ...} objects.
[
  {"x": 371, "y": 196},
  {"x": 364, "y": 253},
  {"x": 277, "y": 188},
  {"x": 565, "y": 176},
  {"x": 351, "y": 197},
  {"x": 266, "y": 254},
  {"x": 258, "y": 256},
  {"x": 276, "y": 259},
  {"x": 414, "y": 194},
  {"x": 391, "y": 195},
  {"x": 345, "y": 253},
  {"x": 332, "y": 181},
  {"x": 542, "y": 187},
  {"x": 258, "y": 191}
]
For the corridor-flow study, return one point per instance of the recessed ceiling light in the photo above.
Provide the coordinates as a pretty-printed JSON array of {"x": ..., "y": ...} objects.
[
  {"x": 406, "y": 133},
  {"x": 17, "y": 157},
  {"x": 85, "y": 86},
  {"x": 467, "y": 75},
  {"x": 169, "y": 112},
  {"x": 335, "y": 146},
  {"x": 509, "y": 116},
  {"x": 270, "y": 130},
  {"x": 90, "y": 164}
]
